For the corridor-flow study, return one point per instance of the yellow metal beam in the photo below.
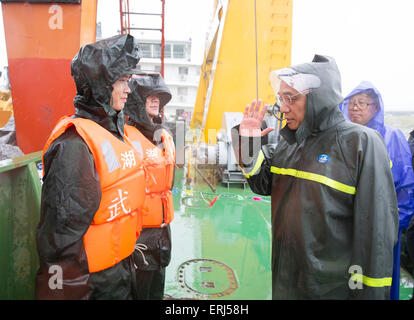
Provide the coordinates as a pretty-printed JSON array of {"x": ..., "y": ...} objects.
[{"x": 248, "y": 39}]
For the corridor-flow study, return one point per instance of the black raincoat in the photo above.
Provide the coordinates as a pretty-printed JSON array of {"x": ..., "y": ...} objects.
[
  {"x": 334, "y": 207},
  {"x": 71, "y": 191},
  {"x": 151, "y": 270}
]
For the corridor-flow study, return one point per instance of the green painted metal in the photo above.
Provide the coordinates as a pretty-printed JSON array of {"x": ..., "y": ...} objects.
[
  {"x": 20, "y": 192},
  {"x": 235, "y": 231}
]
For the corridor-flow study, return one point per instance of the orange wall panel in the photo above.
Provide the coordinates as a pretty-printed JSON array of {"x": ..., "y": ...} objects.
[
  {"x": 43, "y": 91},
  {"x": 41, "y": 30},
  {"x": 41, "y": 41}
]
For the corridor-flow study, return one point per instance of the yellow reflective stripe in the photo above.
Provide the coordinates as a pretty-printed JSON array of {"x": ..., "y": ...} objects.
[
  {"x": 390, "y": 164},
  {"x": 314, "y": 177},
  {"x": 372, "y": 282},
  {"x": 256, "y": 167}
]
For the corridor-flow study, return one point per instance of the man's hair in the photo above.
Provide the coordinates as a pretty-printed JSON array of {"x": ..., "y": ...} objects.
[{"x": 371, "y": 94}]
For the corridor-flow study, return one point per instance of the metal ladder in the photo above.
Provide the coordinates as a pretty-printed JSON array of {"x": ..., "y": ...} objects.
[{"x": 126, "y": 14}]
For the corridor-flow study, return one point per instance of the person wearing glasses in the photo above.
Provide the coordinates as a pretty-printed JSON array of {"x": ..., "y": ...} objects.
[
  {"x": 333, "y": 203},
  {"x": 364, "y": 106}
]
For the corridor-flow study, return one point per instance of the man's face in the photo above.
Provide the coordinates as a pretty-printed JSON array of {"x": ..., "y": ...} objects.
[
  {"x": 362, "y": 108},
  {"x": 152, "y": 105},
  {"x": 293, "y": 105},
  {"x": 120, "y": 93}
]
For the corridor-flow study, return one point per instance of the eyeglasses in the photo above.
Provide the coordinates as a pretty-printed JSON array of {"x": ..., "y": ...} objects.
[
  {"x": 287, "y": 99},
  {"x": 362, "y": 105}
]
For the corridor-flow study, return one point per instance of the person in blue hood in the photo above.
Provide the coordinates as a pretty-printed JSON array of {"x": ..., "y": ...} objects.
[{"x": 364, "y": 106}]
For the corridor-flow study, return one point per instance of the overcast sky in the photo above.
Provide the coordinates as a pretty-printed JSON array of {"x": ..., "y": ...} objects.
[{"x": 370, "y": 39}]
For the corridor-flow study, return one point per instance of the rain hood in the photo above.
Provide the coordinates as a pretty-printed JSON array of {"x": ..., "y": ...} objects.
[
  {"x": 321, "y": 103},
  {"x": 95, "y": 68},
  {"x": 377, "y": 122},
  {"x": 398, "y": 151},
  {"x": 141, "y": 88}
]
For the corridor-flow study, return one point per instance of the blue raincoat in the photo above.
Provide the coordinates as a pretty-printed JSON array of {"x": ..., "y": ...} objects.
[
  {"x": 398, "y": 151},
  {"x": 402, "y": 171}
]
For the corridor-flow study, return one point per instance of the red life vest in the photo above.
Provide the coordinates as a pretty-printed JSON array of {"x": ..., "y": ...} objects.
[
  {"x": 158, "y": 210},
  {"x": 116, "y": 225}
]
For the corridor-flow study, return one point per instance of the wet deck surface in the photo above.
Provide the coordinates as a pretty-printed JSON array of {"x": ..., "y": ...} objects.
[
  {"x": 223, "y": 251},
  {"x": 232, "y": 237}
]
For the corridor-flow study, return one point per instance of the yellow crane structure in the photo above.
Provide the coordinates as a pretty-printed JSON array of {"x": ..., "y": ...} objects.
[{"x": 247, "y": 40}]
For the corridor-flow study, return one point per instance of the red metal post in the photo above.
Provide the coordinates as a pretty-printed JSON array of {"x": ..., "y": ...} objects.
[
  {"x": 162, "y": 48},
  {"x": 129, "y": 26},
  {"x": 162, "y": 38},
  {"x": 121, "y": 16}
]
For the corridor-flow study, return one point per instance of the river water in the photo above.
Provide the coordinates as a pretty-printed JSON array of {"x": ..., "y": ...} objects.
[{"x": 401, "y": 120}]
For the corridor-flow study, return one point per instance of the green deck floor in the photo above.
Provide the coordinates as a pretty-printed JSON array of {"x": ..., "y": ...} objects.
[{"x": 223, "y": 251}]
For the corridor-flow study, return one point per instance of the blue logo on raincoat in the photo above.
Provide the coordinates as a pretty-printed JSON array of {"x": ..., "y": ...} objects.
[{"x": 323, "y": 158}]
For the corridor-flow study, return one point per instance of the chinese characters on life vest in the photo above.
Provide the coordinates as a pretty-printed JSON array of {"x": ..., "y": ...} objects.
[{"x": 118, "y": 207}]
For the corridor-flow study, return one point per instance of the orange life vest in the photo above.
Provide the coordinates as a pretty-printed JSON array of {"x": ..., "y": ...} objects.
[
  {"x": 158, "y": 210},
  {"x": 116, "y": 224}
]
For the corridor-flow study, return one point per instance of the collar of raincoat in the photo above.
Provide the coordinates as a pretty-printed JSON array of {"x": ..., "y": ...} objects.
[
  {"x": 377, "y": 121},
  {"x": 95, "y": 68},
  {"x": 322, "y": 110}
]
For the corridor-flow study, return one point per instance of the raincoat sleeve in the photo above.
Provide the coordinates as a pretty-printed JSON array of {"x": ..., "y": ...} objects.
[
  {"x": 403, "y": 175},
  {"x": 253, "y": 156},
  {"x": 70, "y": 197},
  {"x": 375, "y": 220}
]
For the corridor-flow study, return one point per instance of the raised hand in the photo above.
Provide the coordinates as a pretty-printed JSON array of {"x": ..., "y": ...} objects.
[{"x": 251, "y": 123}]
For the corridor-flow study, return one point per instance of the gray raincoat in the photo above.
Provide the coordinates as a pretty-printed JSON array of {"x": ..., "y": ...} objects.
[{"x": 334, "y": 207}]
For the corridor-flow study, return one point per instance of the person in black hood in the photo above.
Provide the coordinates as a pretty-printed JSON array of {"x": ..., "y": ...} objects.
[
  {"x": 334, "y": 206},
  {"x": 153, "y": 250},
  {"x": 73, "y": 190},
  {"x": 149, "y": 95}
]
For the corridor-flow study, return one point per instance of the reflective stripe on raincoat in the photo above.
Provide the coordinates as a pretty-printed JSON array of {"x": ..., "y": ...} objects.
[{"x": 334, "y": 207}]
